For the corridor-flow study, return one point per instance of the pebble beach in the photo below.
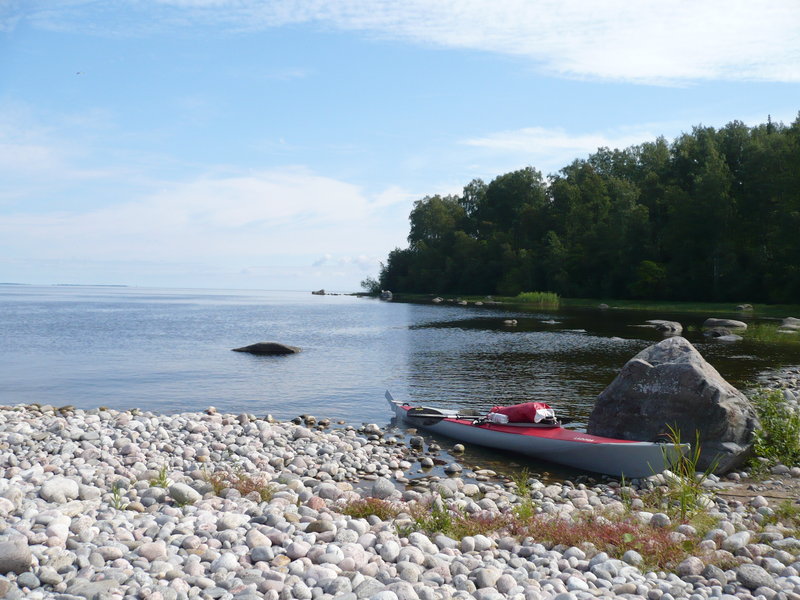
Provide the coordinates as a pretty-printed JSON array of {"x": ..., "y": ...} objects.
[{"x": 106, "y": 504}]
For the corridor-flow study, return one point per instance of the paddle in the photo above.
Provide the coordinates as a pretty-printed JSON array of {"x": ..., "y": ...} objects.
[{"x": 432, "y": 415}]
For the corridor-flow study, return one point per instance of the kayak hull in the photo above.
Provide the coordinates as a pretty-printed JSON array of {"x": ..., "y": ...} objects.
[{"x": 619, "y": 458}]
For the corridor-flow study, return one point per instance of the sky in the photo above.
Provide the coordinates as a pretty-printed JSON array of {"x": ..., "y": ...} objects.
[{"x": 254, "y": 144}]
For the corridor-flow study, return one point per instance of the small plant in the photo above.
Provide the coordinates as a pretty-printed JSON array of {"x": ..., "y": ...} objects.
[
  {"x": 548, "y": 299},
  {"x": 521, "y": 481},
  {"x": 161, "y": 480},
  {"x": 117, "y": 500},
  {"x": 684, "y": 486},
  {"x": 242, "y": 482},
  {"x": 614, "y": 536},
  {"x": 625, "y": 494},
  {"x": 788, "y": 513},
  {"x": 526, "y": 508},
  {"x": 361, "y": 509},
  {"x": 778, "y": 439}
]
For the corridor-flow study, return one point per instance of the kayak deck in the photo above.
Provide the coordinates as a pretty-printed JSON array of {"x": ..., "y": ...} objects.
[{"x": 554, "y": 443}]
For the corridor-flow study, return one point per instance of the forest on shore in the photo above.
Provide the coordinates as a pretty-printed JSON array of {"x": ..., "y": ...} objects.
[{"x": 712, "y": 216}]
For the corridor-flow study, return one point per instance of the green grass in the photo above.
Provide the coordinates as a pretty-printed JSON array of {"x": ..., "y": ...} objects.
[
  {"x": 542, "y": 299},
  {"x": 684, "y": 491},
  {"x": 117, "y": 500},
  {"x": 526, "y": 507},
  {"x": 768, "y": 333},
  {"x": 161, "y": 480}
]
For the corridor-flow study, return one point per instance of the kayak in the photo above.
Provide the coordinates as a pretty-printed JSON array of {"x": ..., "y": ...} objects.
[{"x": 546, "y": 440}]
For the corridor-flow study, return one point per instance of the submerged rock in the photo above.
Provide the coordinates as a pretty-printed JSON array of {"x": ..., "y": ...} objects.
[
  {"x": 668, "y": 385},
  {"x": 268, "y": 348}
]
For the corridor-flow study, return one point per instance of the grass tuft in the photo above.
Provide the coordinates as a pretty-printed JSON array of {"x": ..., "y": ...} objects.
[
  {"x": 544, "y": 299},
  {"x": 117, "y": 500},
  {"x": 161, "y": 480},
  {"x": 684, "y": 494},
  {"x": 769, "y": 333}
]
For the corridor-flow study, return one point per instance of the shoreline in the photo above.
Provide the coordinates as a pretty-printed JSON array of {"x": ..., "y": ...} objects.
[{"x": 126, "y": 504}]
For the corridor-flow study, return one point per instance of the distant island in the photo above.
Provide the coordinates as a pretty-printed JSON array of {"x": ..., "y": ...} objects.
[{"x": 711, "y": 216}]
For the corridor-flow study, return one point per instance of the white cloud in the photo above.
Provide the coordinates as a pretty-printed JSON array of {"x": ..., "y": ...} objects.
[
  {"x": 543, "y": 141},
  {"x": 552, "y": 149},
  {"x": 651, "y": 41},
  {"x": 283, "y": 214}
]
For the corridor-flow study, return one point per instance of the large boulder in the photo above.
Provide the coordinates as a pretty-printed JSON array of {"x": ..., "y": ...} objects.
[
  {"x": 268, "y": 348},
  {"x": 671, "y": 384},
  {"x": 724, "y": 323}
]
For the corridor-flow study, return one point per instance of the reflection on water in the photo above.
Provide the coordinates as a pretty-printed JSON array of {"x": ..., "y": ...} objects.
[
  {"x": 566, "y": 363},
  {"x": 169, "y": 350}
]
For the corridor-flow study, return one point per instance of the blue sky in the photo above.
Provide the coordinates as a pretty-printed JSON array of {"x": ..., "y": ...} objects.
[{"x": 281, "y": 145}]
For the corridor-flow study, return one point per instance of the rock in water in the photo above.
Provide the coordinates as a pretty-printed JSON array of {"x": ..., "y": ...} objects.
[
  {"x": 268, "y": 348},
  {"x": 725, "y": 323},
  {"x": 671, "y": 384},
  {"x": 666, "y": 327}
]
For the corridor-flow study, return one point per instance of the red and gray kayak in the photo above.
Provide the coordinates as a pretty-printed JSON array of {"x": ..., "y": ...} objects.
[{"x": 546, "y": 440}]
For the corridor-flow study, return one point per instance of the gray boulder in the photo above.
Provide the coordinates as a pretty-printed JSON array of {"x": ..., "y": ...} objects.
[
  {"x": 666, "y": 327},
  {"x": 724, "y": 323},
  {"x": 671, "y": 384},
  {"x": 268, "y": 348},
  {"x": 790, "y": 323}
]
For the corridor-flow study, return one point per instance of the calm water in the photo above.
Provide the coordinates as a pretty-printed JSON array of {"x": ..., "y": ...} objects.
[{"x": 170, "y": 351}]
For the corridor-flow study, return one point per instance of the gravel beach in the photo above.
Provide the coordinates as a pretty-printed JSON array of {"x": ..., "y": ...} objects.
[{"x": 110, "y": 504}]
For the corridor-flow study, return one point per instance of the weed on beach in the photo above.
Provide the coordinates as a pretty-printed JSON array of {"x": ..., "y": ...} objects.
[
  {"x": 366, "y": 507},
  {"x": 683, "y": 493},
  {"x": 244, "y": 483},
  {"x": 161, "y": 480},
  {"x": 614, "y": 534}
]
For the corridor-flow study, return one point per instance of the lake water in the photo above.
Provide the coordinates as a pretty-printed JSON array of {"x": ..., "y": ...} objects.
[{"x": 170, "y": 351}]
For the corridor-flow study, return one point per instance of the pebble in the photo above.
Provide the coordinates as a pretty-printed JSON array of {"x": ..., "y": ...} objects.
[{"x": 65, "y": 535}]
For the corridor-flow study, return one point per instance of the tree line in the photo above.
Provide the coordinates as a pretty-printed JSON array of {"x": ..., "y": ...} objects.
[{"x": 712, "y": 216}]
